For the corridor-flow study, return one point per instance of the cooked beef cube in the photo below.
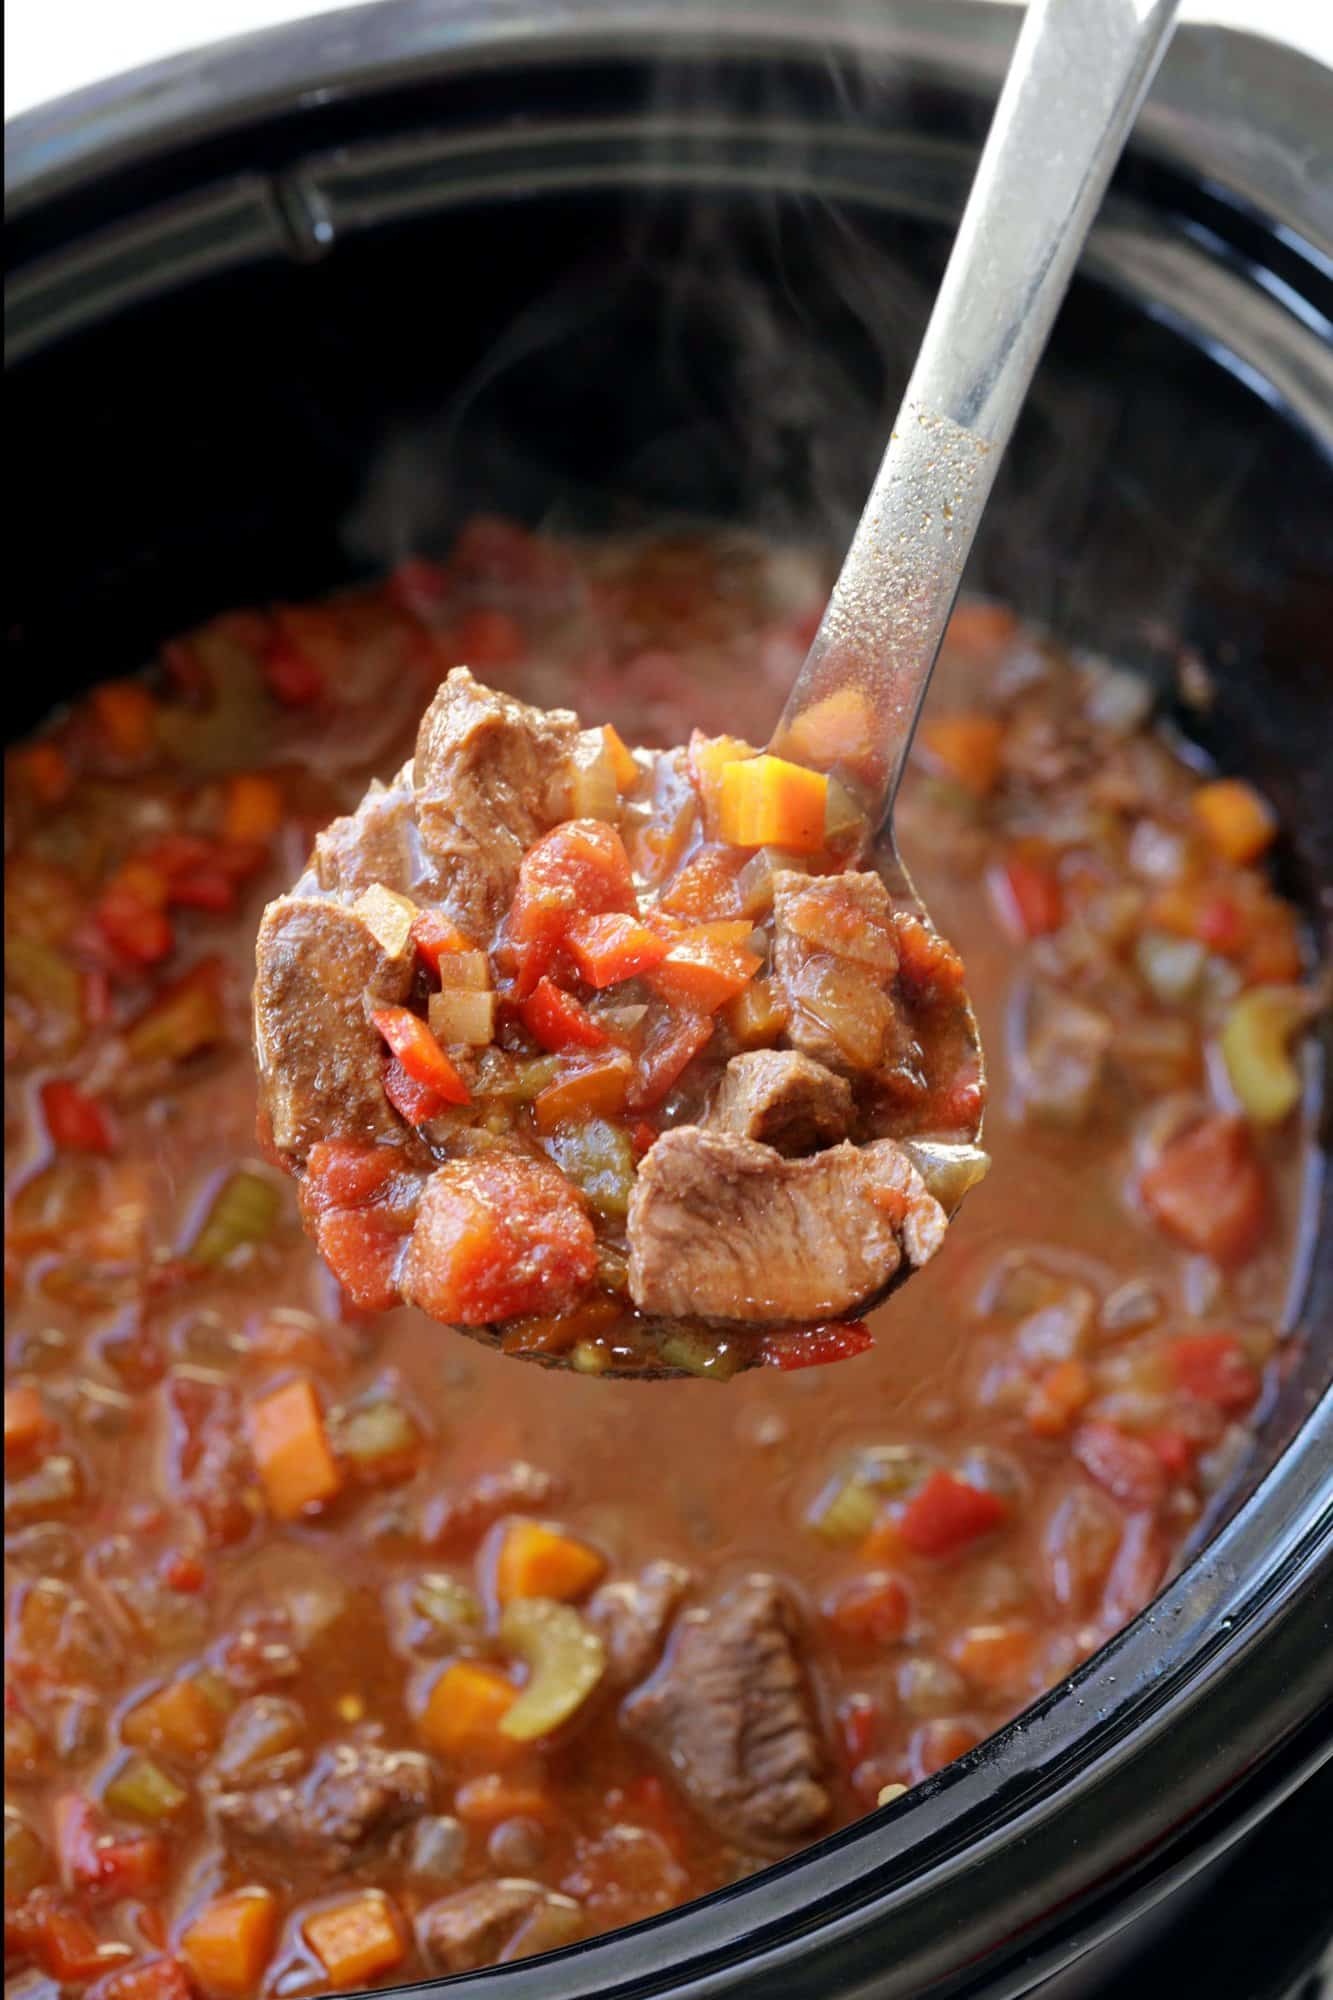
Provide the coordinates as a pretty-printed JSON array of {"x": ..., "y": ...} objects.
[
  {"x": 356, "y": 1795},
  {"x": 477, "y": 1926},
  {"x": 1062, "y": 1058},
  {"x": 321, "y": 1062},
  {"x": 632, "y": 1618},
  {"x": 377, "y": 843},
  {"x": 834, "y": 956},
  {"x": 730, "y": 1712},
  {"x": 783, "y": 1099},
  {"x": 490, "y": 775},
  {"x": 723, "y": 1228}
]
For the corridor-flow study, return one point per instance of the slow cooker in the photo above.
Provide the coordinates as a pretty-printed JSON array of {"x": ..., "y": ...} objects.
[{"x": 281, "y": 311}]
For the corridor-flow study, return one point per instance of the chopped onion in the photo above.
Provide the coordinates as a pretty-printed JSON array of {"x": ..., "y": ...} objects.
[
  {"x": 470, "y": 969},
  {"x": 594, "y": 793},
  {"x": 948, "y": 1171},
  {"x": 461, "y": 1014},
  {"x": 143, "y": 1789},
  {"x": 1170, "y": 966},
  {"x": 1118, "y": 701}
]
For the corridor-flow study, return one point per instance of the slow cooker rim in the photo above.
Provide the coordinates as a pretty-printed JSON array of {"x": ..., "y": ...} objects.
[{"x": 957, "y": 1822}]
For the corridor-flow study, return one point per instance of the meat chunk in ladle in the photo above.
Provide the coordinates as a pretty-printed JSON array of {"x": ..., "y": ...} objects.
[{"x": 628, "y": 1061}]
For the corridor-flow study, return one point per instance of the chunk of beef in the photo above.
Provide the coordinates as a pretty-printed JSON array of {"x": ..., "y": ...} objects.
[
  {"x": 490, "y": 775},
  {"x": 783, "y": 1099},
  {"x": 730, "y": 1711},
  {"x": 355, "y": 1796},
  {"x": 321, "y": 1062},
  {"x": 478, "y": 1926},
  {"x": 632, "y": 1618},
  {"x": 723, "y": 1228},
  {"x": 376, "y": 843},
  {"x": 834, "y": 957}
]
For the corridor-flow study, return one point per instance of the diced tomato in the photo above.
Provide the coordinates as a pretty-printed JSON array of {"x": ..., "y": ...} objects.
[
  {"x": 436, "y": 938},
  {"x": 206, "y": 889},
  {"x": 76, "y": 1122},
  {"x": 99, "y": 1864},
  {"x": 706, "y": 885},
  {"x": 948, "y": 1513},
  {"x": 813, "y": 1346},
  {"x": 135, "y": 928},
  {"x": 859, "y": 1722},
  {"x": 486, "y": 638},
  {"x": 674, "y": 1037},
  {"x": 1027, "y": 895},
  {"x": 293, "y": 678},
  {"x": 610, "y": 948},
  {"x": 55, "y": 1937},
  {"x": 363, "y": 1253},
  {"x": 1219, "y": 924},
  {"x": 499, "y": 1236},
  {"x": 417, "y": 1102},
  {"x": 420, "y": 1054},
  {"x": 928, "y": 966},
  {"x": 151, "y": 1979},
  {"x": 1215, "y": 1368},
  {"x": 872, "y": 1608},
  {"x": 1208, "y": 1190},
  {"x": 183, "y": 1572},
  {"x": 702, "y": 972},
  {"x": 418, "y": 586},
  {"x": 642, "y": 1137},
  {"x": 342, "y": 1174},
  {"x": 1126, "y": 1466},
  {"x": 579, "y": 869},
  {"x": 558, "y": 1021},
  {"x": 1175, "y": 1452},
  {"x": 495, "y": 551}
]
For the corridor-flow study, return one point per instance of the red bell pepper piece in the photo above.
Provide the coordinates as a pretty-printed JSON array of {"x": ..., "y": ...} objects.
[
  {"x": 420, "y": 1054},
  {"x": 948, "y": 1513},
  {"x": 76, "y": 1122},
  {"x": 558, "y": 1021},
  {"x": 812, "y": 1346}
]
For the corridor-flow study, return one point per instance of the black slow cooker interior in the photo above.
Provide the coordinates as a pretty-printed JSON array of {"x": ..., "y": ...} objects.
[{"x": 694, "y": 292}]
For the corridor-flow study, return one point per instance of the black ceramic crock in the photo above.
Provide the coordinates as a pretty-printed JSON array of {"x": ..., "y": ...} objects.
[{"x": 280, "y": 311}]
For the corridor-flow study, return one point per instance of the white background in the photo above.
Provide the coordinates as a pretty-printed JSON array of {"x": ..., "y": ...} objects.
[{"x": 56, "y": 45}]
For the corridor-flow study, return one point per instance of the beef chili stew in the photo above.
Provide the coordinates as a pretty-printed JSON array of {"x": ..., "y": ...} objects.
[
  {"x": 608, "y": 1056},
  {"x": 341, "y": 1653}
]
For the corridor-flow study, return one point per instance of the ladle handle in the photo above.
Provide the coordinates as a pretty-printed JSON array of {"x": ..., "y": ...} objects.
[{"x": 1078, "y": 74}]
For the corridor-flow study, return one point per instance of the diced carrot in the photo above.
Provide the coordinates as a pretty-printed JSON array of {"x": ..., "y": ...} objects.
[
  {"x": 179, "y": 1717},
  {"x": 487, "y": 638},
  {"x": 996, "y": 1658},
  {"x": 837, "y": 729},
  {"x": 815, "y": 1346},
  {"x": 874, "y": 1608},
  {"x": 1058, "y": 1397},
  {"x": 702, "y": 973},
  {"x": 948, "y": 1513},
  {"x": 613, "y": 947},
  {"x": 622, "y": 759},
  {"x": 708, "y": 758},
  {"x": 252, "y": 808},
  {"x": 126, "y": 714},
  {"x": 76, "y": 1122},
  {"x": 357, "y": 1938},
  {"x": 291, "y": 1449},
  {"x": 982, "y": 631},
  {"x": 757, "y": 1016},
  {"x": 28, "y": 1422},
  {"x": 558, "y": 1021},
  {"x": 462, "y": 1713},
  {"x": 1238, "y": 821},
  {"x": 1207, "y": 1189},
  {"x": 537, "y": 1561},
  {"x": 1214, "y": 1368},
  {"x": 493, "y": 1797},
  {"x": 419, "y": 1053},
  {"x": 1126, "y": 1466},
  {"x": 44, "y": 770},
  {"x": 966, "y": 747},
  {"x": 597, "y": 1090},
  {"x": 436, "y": 938},
  {"x": 768, "y": 802},
  {"x": 227, "y": 1946},
  {"x": 1027, "y": 895}
]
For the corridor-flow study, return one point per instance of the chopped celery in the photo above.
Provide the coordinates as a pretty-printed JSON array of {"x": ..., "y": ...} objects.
[
  {"x": 142, "y": 1789},
  {"x": 590, "y": 1357},
  {"x": 1169, "y": 966},
  {"x": 44, "y": 977},
  {"x": 845, "y": 1508},
  {"x": 372, "y": 1433},
  {"x": 699, "y": 1353},
  {"x": 596, "y": 1154},
  {"x": 27, "y": 1862},
  {"x": 244, "y": 1211},
  {"x": 565, "y": 1660},
  {"x": 1255, "y": 1038},
  {"x": 446, "y": 1603}
]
